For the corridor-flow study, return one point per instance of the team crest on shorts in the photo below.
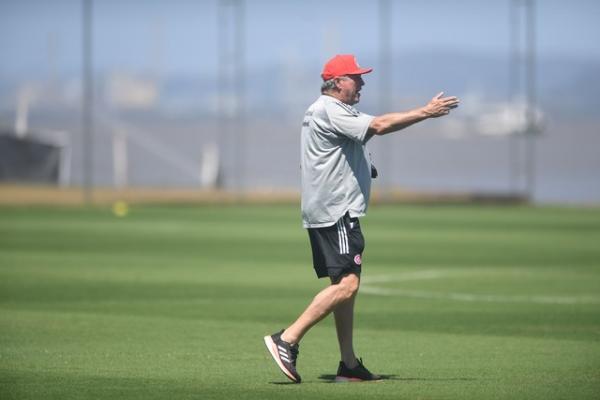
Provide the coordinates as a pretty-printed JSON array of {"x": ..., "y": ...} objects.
[{"x": 357, "y": 259}]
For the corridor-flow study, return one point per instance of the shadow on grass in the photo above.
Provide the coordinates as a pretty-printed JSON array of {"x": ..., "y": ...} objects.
[{"x": 331, "y": 379}]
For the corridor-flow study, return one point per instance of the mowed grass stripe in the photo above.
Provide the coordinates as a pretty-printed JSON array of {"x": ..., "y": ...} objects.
[{"x": 172, "y": 302}]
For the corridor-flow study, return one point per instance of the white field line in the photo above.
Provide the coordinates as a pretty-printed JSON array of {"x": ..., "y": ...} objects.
[
  {"x": 368, "y": 288},
  {"x": 419, "y": 294},
  {"x": 407, "y": 276}
]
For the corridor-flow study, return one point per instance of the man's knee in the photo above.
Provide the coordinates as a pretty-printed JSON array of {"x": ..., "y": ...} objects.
[{"x": 349, "y": 285}]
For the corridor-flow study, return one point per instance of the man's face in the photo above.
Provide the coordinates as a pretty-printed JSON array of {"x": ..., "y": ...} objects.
[{"x": 350, "y": 86}]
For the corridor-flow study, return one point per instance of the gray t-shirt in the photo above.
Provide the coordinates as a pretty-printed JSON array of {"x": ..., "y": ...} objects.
[{"x": 336, "y": 169}]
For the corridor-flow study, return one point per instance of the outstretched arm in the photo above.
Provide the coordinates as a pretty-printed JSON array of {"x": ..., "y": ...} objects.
[{"x": 392, "y": 122}]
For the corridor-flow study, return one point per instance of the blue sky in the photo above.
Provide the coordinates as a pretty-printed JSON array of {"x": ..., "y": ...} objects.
[{"x": 180, "y": 36}]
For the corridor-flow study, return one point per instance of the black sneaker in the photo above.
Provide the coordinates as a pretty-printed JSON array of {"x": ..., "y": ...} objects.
[
  {"x": 284, "y": 354},
  {"x": 356, "y": 374}
]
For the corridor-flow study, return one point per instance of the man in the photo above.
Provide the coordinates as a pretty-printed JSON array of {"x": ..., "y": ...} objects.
[{"x": 336, "y": 183}]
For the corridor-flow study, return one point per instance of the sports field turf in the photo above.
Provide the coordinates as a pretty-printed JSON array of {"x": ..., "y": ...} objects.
[{"x": 458, "y": 302}]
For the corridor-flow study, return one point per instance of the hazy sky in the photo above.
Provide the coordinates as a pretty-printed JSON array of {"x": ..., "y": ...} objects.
[{"x": 181, "y": 36}]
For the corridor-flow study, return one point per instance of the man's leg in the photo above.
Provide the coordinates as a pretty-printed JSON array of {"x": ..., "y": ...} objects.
[
  {"x": 350, "y": 369},
  {"x": 324, "y": 302},
  {"x": 344, "y": 317}
]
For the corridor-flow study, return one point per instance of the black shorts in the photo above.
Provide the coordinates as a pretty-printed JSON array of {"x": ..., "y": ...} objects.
[{"x": 337, "y": 249}]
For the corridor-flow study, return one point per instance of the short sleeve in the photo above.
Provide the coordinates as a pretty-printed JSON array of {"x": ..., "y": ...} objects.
[{"x": 347, "y": 121}]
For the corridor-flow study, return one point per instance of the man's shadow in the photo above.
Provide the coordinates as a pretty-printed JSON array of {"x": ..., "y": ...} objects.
[{"x": 329, "y": 378}]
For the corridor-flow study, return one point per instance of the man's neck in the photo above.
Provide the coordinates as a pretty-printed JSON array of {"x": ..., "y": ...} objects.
[{"x": 335, "y": 96}]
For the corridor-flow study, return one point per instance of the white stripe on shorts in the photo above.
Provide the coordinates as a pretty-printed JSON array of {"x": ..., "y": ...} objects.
[
  {"x": 345, "y": 238},
  {"x": 339, "y": 237},
  {"x": 342, "y": 237}
]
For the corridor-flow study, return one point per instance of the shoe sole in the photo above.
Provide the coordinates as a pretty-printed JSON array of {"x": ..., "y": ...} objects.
[{"x": 272, "y": 347}]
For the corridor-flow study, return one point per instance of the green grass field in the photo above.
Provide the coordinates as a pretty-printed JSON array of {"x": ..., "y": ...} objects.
[{"x": 457, "y": 302}]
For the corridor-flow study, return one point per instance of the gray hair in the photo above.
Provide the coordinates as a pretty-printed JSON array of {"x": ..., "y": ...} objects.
[{"x": 328, "y": 85}]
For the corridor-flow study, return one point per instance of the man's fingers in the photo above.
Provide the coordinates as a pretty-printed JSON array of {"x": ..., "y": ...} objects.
[
  {"x": 446, "y": 100},
  {"x": 452, "y": 99},
  {"x": 451, "y": 103},
  {"x": 443, "y": 104}
]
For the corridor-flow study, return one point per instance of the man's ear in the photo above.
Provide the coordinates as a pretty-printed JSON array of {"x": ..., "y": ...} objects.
[{"x": 337, "y": 85}]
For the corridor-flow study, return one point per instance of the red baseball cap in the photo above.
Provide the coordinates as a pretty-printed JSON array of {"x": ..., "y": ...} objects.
[{"x": 342, "y": 64}]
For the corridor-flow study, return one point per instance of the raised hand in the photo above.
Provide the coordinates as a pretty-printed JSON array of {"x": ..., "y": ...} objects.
[{"x": 439, "y": 106}]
